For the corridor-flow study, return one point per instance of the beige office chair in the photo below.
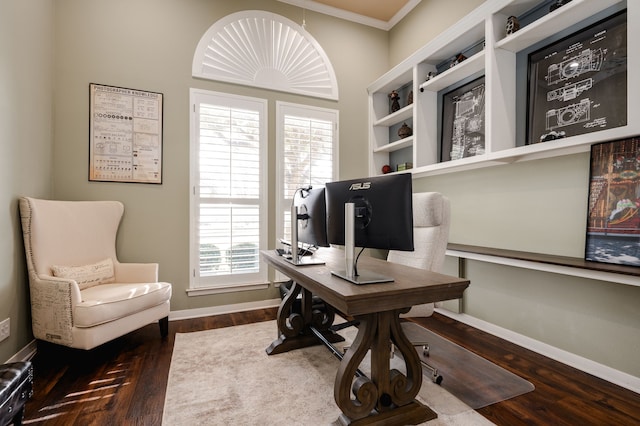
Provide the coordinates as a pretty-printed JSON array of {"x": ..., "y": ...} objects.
[
  {"x": 431, "y": 219},
  {"x": 81, "y": 295}
]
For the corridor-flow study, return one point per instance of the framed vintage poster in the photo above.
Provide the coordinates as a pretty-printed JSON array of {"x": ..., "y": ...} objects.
[
  {"x": 613, "y": 223},
  {"x": 579, "y": 84},
  {"x": 125, "y": 135},
  {"x": 463, "y": 121}
]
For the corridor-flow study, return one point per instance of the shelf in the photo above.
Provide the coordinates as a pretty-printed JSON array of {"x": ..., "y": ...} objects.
[
  {"x": 402, "y": 114},
  {"x": 498, "y": 61},
  {"x": 549, "y": 263},
  {"x": 395, "y": 146},
  {"x": 564, "y": 17},
  {"x": 467, "y": 68}
]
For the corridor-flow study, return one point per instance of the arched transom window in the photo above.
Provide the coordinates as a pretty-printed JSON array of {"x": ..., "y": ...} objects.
[{"x": 263, "y": 49}]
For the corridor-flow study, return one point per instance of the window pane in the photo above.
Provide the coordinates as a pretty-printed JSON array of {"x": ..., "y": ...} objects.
[
  {"x": 229, "y": 160},
  {"x": 228, "y": 223},
  {"x": 308, "y": 157}
]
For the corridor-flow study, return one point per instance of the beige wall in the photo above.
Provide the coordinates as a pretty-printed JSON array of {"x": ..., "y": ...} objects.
[
  {"x": 149, "y": 45},
  {"x": 425, "y": 22},
  {"x": 537, "y": 206},
  {"x": 26, "y": 90}
]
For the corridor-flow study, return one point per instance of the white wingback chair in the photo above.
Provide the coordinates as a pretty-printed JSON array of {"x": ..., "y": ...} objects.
[
  {"x": 431, "y": 220},
  {"x": 81, "y": 295}
]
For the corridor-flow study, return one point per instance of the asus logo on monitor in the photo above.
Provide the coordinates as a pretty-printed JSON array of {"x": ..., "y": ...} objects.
[{"x": 358, "y": 186}]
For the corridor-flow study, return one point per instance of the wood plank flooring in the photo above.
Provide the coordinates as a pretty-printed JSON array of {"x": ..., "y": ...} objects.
[{"x": 124, "y": 382}]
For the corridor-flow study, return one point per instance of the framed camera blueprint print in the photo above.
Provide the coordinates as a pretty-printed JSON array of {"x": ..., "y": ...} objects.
[
  {"x": 613, "y": 222},
  {"x": 463, "y": 121},
  {"x": 579, "y": 84},
  {"x": 125, "y": 135}
]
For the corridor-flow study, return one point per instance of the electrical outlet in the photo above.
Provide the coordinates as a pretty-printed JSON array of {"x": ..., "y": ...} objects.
[{"x": 5, "y": 329}]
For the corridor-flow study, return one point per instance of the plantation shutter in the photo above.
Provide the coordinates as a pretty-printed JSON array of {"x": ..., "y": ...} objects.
[{"x": 229, "y": 191}]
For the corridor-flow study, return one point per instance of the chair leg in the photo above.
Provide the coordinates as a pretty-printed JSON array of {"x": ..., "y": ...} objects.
[{"x": 164, "y": 326}]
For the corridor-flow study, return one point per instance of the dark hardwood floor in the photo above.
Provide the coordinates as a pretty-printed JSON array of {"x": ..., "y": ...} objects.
[{"x": 124, "y": 382}]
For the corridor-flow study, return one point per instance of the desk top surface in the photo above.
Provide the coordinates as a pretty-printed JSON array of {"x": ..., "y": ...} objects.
[{"x": 411, "y": 286}]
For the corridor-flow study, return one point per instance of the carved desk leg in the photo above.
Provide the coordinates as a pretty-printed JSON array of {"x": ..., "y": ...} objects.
[
  {"x": 294, "y": 327},
  {"x": 388, "y": 396}
]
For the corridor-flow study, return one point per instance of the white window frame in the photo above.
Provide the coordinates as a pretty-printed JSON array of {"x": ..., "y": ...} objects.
[
  {"x": 283, "y": 109},
  {"x": 229, "y": 282}
]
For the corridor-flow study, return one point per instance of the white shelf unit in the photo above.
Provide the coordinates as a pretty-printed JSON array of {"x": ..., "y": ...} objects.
[{"x": 497, "y": 62}]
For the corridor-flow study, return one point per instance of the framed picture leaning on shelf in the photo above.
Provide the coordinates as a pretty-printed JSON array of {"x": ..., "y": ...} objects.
[
  {"x": 578, "y": 84},
  {"x": 463, "y": 121},
  {"x": 613, "y": 221}
]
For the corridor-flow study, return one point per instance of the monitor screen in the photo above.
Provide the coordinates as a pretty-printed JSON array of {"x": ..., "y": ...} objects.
[
  {"x": 312, "y": 216},
  {"x": 383, "y": 211}
]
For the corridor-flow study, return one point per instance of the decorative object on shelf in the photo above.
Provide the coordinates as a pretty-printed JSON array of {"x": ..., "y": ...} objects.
[
  {"x": 405, "y": 131},
  {"x": 404, "y": 166},
  {"x": 613, "y": 220},
  {"x": 386, "y": 169},
  {"x": 513, "y": 25},
  {"x": 463, "y": 121},
  {"x": 457, "y": 59},
  {"x": 431, "y": 75},
  {"x": 410, "y": 98},
  {"x": 552, "y": 136},
  {"x": 558, "y": 4},
  {"x": 394, "y": 97},
  {"x": 578, "y": 85}
]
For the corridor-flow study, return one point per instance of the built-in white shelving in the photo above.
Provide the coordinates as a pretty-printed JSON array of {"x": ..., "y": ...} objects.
[{"x": 494, "y": 57}]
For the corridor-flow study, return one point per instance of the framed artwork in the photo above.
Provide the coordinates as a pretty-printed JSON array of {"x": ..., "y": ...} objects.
[
  {"x": 613, "y": 223},
  {"x": 579, "y": 84},
  {"x": 125, "y": 135},
  {"x": 463, "y": 121}
]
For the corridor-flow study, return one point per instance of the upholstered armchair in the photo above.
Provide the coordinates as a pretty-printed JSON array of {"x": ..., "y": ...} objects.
[
  {"x": 431, "y": 219},
  {"x": 81, "y": 295}
]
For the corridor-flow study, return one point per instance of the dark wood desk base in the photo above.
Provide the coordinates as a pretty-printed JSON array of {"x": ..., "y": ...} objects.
[{"x": 385, "y": 398}]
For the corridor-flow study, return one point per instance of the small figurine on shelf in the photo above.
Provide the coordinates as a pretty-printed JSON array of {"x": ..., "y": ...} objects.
[
  {"x": 395, "y": 103},
  {"x": 405, "y": 131},
  {"x": 410, "y": 98},
  {"x": 457, "y": 59},
  {"x": 557, "y": 4},
  {"x": 513, "y": 25},
  {"x": 431, "y": 75},
  {"x": 386, "y": 169}
]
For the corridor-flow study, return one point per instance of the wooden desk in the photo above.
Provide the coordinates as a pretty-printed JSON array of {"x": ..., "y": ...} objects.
[{"x": 388, "y": 397}]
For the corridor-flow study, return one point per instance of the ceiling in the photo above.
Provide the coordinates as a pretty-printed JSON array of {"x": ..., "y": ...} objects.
[{"x": 383, "y": 14}]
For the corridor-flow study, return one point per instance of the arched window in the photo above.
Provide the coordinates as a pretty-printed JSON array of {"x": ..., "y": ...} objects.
[{"x": 262, "y": 49}]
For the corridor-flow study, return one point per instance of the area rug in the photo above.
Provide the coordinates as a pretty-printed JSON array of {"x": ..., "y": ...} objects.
[{"x": 225, "y": 377}]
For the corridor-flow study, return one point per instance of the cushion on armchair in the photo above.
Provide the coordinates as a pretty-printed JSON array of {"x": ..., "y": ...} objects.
[{"x": 86, "y": 276}]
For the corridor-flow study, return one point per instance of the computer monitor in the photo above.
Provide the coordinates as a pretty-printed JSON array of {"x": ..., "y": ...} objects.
[
  {"x": 308, "y": 223},
  {"x": 312, "y": 216},
  {"x": 374, "y": 212}
]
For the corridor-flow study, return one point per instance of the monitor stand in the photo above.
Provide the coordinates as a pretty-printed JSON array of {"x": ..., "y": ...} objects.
[
  {"x": 295, "y": 258},
  {"x": 349, "y": 274}
]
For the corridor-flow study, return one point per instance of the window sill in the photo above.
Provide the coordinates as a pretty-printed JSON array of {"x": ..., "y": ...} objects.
[{"x": 203, "y": 291}]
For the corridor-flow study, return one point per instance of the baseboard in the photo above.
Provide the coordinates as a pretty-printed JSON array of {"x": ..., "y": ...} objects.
[
  {"x": 225, "y": 309},
  {"x": 26, "y": 353},
  {"x": 604, "y": 372}
]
